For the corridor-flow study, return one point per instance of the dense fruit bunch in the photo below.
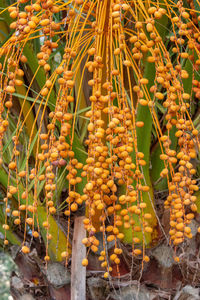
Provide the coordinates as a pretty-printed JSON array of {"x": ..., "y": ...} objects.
[{"x": 121, "y": 48}]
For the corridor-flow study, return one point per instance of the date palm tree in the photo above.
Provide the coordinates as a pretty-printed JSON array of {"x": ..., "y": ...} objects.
[{"x": 99, "y": 114}]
